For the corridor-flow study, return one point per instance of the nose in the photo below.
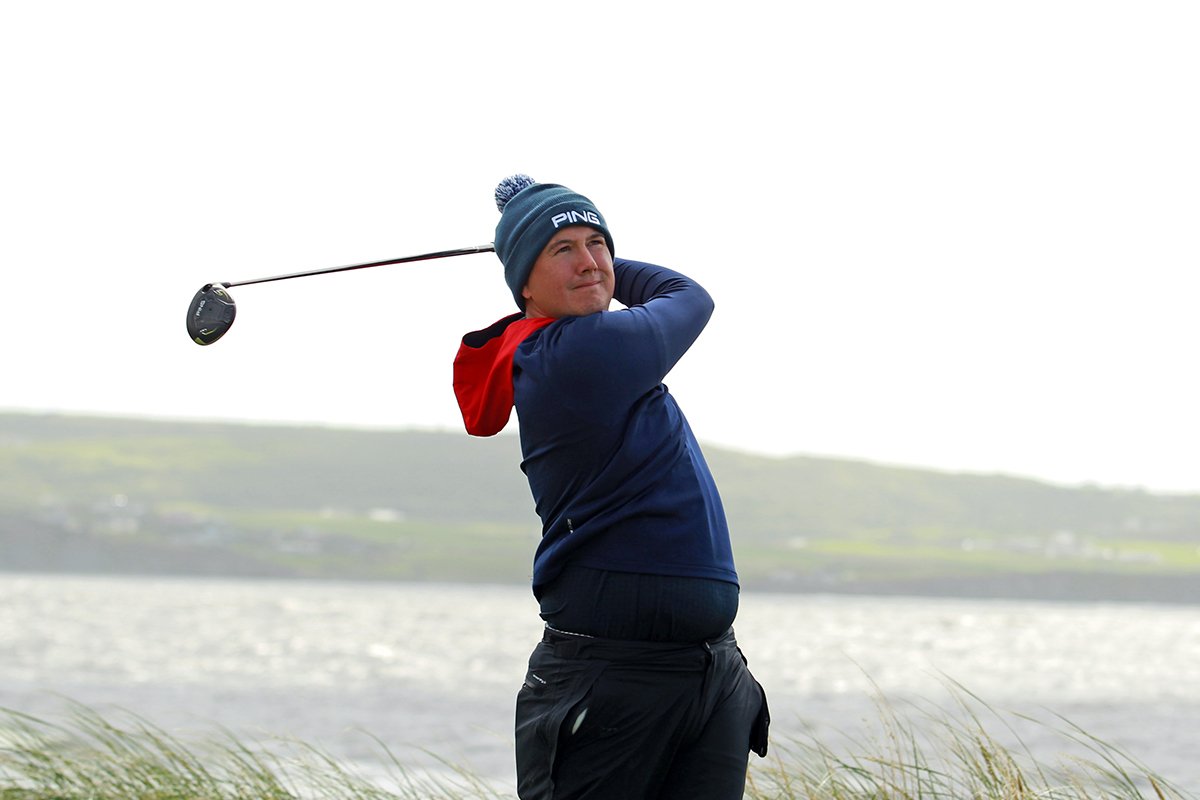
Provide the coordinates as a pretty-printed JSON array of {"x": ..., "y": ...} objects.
[{"x": 587, "y": 262}]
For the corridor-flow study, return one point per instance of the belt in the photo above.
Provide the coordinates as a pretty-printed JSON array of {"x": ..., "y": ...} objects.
[{"x": 577, "y": 645}]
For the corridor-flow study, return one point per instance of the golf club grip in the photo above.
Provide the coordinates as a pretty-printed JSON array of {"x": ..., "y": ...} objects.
[{"x": 483, "y": 248}]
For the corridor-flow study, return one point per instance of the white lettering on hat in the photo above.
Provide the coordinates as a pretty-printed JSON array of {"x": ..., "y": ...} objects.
[{"x": 572, "y": 217}]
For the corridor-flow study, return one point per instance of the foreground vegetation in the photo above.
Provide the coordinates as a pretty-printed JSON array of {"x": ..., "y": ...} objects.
[{"x": 924, "y": 754}]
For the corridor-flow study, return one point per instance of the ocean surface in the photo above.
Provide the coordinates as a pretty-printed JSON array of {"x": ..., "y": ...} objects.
[{"x": 434, "y": 668}]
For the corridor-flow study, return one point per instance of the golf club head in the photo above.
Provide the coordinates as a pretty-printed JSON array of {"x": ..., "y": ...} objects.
[{"x": 210, "y": 314}]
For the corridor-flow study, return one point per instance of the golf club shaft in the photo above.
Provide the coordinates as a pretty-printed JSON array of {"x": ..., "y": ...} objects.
[{"x": 484, "y": 248}]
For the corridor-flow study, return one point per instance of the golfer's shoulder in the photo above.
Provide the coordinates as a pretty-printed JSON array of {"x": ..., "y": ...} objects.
[
  {"x": 588, "y": 350},
  {"x": 570, "y": 338}
]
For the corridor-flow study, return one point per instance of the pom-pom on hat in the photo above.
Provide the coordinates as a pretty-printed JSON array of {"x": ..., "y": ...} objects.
[{"x": 530, "y": 213}]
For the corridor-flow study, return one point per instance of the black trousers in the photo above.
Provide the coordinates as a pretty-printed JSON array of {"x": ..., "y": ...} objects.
[{"x": 603, "y": 719}]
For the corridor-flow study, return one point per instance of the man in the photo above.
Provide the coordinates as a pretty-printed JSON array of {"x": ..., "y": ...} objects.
[{"x": 638, "y": 688}]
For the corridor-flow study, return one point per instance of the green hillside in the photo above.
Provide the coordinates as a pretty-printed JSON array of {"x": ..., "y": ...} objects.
[{"x": 128, "y": 495}]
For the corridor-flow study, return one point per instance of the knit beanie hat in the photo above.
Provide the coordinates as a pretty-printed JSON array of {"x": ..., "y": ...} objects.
[{"x": 530, "y": 213}]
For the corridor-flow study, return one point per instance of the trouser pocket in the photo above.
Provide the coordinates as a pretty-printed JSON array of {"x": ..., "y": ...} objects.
[
  {"x": 552, "y": 687},
  {"x": 761, "y": 726}
]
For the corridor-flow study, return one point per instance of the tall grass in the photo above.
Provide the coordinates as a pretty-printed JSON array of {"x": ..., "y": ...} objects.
[
  {"x": 91, "y": 757},
  {"x": 931, "y": 753},
  {"x": 926, "y": 753}
]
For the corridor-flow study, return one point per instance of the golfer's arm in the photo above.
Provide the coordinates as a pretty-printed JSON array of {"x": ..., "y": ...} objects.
[
  {"x": 673, "y": 305},
  {"x": 632, "y": 350}
]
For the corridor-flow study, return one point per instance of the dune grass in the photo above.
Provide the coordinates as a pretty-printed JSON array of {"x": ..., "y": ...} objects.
[
  {"x": 924, "y": 753},
  {"x": 931, "y": 753}
]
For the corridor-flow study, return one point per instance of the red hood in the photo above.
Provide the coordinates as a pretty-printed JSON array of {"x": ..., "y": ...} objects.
[{"x": 483, "y": 372}]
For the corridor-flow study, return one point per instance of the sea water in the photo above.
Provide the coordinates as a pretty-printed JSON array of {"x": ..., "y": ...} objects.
[{"x": 434, "y": 668}]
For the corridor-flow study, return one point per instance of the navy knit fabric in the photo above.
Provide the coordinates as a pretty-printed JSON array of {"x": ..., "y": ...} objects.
[
  {"x": 617, "y": 476},
  {"x": 635, "y": 607}
]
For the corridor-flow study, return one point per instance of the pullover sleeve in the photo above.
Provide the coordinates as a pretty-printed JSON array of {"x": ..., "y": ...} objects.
[
  {"x": 617, "y": 356},
  {"x": 616, "y": 474}
]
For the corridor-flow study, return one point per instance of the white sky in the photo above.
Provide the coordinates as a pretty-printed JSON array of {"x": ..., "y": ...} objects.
[{"x": 950, "y": 234}]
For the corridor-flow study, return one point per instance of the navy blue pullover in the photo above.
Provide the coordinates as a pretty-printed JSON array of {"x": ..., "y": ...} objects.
[{"x": 617, "y": 476}]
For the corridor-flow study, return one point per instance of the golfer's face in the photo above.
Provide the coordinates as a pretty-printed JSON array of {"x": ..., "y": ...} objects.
[{"x": 572, "y": 277}]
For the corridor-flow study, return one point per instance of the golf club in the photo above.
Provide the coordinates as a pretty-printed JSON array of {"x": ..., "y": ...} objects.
[{"x": 212, "y": 310}]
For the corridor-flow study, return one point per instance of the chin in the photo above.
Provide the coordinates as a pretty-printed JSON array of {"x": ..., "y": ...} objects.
[{"x": 596, "y": 308}]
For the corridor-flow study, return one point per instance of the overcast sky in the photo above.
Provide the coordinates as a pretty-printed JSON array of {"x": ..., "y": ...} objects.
[{"x": 949, "y": 234}]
